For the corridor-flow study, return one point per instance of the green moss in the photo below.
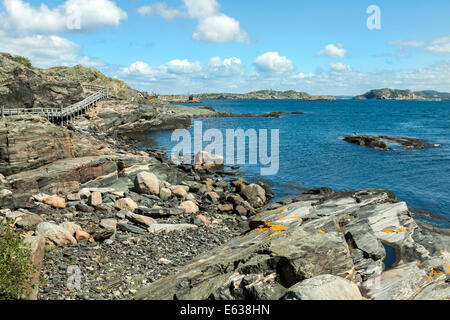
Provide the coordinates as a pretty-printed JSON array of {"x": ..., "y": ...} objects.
[{"x": 16, "y": 268}]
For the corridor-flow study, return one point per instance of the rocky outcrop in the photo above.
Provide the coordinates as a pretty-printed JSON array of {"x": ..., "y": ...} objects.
[
  {"x": 24, "y": 87},
  {"x": 29, "y": 142},
  {"x": 379, "y": 142},
  {"x": 395, "y": 94},
  {"x": 116, "y": 88},
  {"x": 290, "y": 247}
]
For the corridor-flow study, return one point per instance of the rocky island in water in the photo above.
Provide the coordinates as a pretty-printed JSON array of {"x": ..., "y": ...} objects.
[
  {"x": 136, "y": 225},
  {"x": 395, "y": 94}
]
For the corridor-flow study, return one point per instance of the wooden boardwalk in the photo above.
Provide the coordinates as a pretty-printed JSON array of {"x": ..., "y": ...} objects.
[{"x": 62, "y": 115}]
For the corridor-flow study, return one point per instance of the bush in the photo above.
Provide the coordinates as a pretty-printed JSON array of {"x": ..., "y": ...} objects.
[
  {"x": 15, "y": 266},
  {"x": 22, "y": 60}
]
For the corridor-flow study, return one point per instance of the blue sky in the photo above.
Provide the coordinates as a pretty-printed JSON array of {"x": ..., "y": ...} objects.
[{"x": 179, "y": 46}]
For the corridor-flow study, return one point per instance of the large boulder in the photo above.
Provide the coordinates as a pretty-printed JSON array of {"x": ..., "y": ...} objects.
[
  {"x": 255, "y": 195},
  {"x": 324, "y": 287},
  {"x": 206, "y": 159},
  {"x": 54, "y": 234},
  {"x": 147, "y": 183}
]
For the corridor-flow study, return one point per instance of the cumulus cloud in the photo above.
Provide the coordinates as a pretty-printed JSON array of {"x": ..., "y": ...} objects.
[
  {"x": 333, "y": 50},
  {"x": 71, "y": 16},
  {"x": 224, "y": 68},
  {"x": 214, "y": 68},
  {"x": 339, "y": 66},
  {"x": 183, "y": 66},
  {"x": 46, "y": 51},
  {"x": 219, "y": 29},
  {"x": 212, "y": 25},
  {"x": 272, "y": 62}
]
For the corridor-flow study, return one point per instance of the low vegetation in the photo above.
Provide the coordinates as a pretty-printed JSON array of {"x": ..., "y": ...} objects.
[
  {"x": 15, "y": 266},
  {"x": 22, "y": 60}
]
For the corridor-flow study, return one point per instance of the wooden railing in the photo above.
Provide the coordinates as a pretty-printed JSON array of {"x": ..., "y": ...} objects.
[{"x": 62, "y": 114}]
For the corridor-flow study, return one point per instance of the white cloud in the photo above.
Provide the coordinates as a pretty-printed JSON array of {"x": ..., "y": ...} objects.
[
  {"x": 20, "y": 17},
  {"x": 333, "y": 50},
  {"x": 224, "y": 68},
  {"x": 160, "y": 9},
  {"x": 339, "y": 66},
  {"x": 183, "y": 66},
  {"x": 272, "y": 62},
  {"x": 202, "y": 8},
  {"x": 212, "y": 25},
  {"x": 46, "y": 51},
  {"x": 402, "y": 44},
  {"x": 177, "y": 68},
  {"x": 302, "y": 75},
  {"x": 441, "y": 45},
  {"x": 219, "y": 29}
]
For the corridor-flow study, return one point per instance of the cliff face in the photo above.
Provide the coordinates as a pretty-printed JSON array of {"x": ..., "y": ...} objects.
[
  {"x": 21, "y": 86},
  {"x": 30, "y": 142},
  {"x": 394, "y": 94}
]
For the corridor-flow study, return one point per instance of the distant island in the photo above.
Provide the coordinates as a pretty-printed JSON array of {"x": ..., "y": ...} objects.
[
  {"x": 395, "y": 94},
  {"x": 266, "y": 95}
]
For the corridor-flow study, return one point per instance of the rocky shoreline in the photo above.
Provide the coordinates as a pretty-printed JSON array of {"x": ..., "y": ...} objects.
[
  {"x": 138, "y": 226},
  {"x": 107, "y": 220},
  {"x": 75, "y": 192}
]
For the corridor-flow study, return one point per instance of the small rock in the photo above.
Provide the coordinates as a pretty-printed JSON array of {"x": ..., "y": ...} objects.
[
  {"x": 82, "y": 235},
  {"x": 126, "y": 204},
  {"x": 109, "y": 224},
  {"x": 73, "y": 197},
  {"x": 189, "y": 207},
  {"x": 180, "y": 192},
  {"x": 55, "y": 202},
  {"x": 95, "y": 199},
  {"x": 164, "y": 261},
  {"x": 140, "y": 220},
  {"x": 226, "y": 207},
  {"x": 165, "y": 194}
]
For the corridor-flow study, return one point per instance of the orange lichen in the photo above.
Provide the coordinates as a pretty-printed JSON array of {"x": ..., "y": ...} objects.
[
  {"x": 419, "y": 263},
  {"x": 296, "y": 217},
  {"x": 269, "y": 226},
  {"x": 401, "y": 229},
  {"x": 321, "y": 231},
  {"x": 388, "y": 231},
  {"x": 442, "y": 252},
  {"x": 435, "y": 272}
]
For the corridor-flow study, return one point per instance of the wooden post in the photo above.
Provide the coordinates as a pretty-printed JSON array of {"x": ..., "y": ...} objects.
[{"x": 3, "y": 111}]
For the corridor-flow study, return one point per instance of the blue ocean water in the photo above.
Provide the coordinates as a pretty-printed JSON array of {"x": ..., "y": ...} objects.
[{"x": 313, "y": 154}]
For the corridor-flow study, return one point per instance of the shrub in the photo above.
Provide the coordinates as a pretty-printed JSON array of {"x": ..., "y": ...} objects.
[
  {"x": 22, "y": 60},
  {"x": 16, "y": 267}
]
